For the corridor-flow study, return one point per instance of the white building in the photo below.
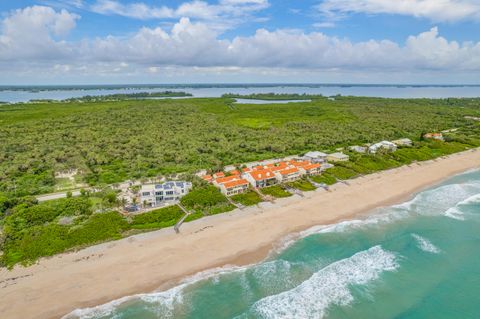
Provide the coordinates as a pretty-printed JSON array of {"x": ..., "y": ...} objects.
[
  {"x": 403, "y": 142},
  {"x": 154, "y": 195},
  {"x": 358, "y": 149},
  {"x": 288, "y": 174},
  {"x": 315, "y": 157},
  {"x": 386, "y": 145},
  {"x": 337, "y": 157}
]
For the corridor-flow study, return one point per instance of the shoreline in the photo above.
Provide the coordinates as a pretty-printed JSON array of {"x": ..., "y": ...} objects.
[{"x": 160, "y": 259}]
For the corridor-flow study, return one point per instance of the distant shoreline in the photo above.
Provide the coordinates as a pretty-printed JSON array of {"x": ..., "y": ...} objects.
[{"x": 143, "y": 263}]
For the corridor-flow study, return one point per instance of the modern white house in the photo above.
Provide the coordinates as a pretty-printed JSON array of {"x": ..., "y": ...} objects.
[
  {"x": 403, "y": 142},
  {"x": 386, "y": 145},
  {"x": 337, "y": 157},
  {"x": 315, "y": 157},
  {"x": 154, "y": 195}
]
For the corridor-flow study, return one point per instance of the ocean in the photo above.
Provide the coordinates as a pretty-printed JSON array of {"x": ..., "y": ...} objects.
[
  {"x": 14, "y": 94},
  {"x": 418, "y": 259}
]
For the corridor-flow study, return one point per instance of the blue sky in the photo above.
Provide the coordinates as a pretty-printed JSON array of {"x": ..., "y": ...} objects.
[{"x": 165, "y": 41}]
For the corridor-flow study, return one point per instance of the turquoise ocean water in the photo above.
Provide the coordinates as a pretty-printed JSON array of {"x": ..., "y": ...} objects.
[{"x": 419, "y": 259}]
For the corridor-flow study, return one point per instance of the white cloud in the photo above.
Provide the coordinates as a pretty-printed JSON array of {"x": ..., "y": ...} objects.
[
  {"x": 31, "y": 39},
  {"x": 223, "y": 15},
  {"x": 434, "y": 10},
  {"x": 32, "y": 32}
]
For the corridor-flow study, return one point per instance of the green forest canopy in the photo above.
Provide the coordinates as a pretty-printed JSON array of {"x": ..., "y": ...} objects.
[{"x": 113, "y": 141}]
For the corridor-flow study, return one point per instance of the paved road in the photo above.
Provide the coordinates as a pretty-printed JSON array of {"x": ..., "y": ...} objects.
[{"x": 43, "y": 198}]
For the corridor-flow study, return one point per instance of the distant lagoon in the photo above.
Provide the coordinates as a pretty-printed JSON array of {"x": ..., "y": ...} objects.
[{"x": 15, "y": 94}]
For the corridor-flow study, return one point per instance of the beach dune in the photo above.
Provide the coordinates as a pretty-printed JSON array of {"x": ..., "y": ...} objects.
[{"x": 55, "y": 286}]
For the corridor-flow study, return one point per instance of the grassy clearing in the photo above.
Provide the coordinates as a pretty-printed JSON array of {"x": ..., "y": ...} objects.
[
  {"x": 303, "y": 185},
  {"x": 247, "y": 199},
  {"x": 276, "y": 191}
]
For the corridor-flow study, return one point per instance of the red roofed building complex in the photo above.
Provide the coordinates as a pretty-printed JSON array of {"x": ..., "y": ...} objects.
[
  {"x": 260, "y": 178},
  {"x": 311, "y": 169},
  {"x": 234, "y": 187},
  {"x": 288, "y": 174}
]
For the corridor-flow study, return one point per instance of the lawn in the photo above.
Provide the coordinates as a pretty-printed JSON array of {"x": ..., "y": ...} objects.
[
  {"x": 303, "y": 185},
  {"x": 276, "y": 191},
  {"x": 247, "y": 199}
]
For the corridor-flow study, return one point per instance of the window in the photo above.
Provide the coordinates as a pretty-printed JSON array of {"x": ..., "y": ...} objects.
[
  {"x": 146, "y": 194},
  {"x": 169, "y": 193},
  {"x": 158, "y": 193}
]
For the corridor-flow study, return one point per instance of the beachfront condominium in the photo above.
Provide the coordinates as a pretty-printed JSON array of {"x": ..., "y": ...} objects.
[
  {"x": 232, "y": 185},
  {"x": 154, "y": 195}
]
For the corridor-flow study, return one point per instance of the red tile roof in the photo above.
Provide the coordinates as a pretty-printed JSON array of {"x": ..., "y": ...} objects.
[
  {"x": 222, "y": 180},
  {"x": 311, "y": 166},
  {"x": 262, "y": 174},
  {"x": 289, "y": 171},
  {"x": 235, "y": 183},
  {"x": 208, "y": 178}
]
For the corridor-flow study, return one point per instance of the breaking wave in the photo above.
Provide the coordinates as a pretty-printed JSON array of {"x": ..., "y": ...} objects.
[
  {"x": 329, "y": 286},
  {"x": 425, "y": 245}
]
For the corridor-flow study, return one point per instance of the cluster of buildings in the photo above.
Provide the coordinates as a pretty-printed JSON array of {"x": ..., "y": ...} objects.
[
  {"x": 389, "y": 146},
  {"x": 264, "y": 173},
  {"x": 268, "y": 174}
]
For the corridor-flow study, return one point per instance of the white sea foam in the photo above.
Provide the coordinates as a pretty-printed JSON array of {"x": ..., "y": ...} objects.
[
  {"x": 164, "y": 301},
  {"x": 426, "y": 245},
  {"x": 328, "y": 286},
  {"x": 456, "y": 212}
]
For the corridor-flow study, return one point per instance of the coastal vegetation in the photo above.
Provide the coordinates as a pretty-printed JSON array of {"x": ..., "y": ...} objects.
[
  {"x": 108, "y": 142},
  {"x": 249, "y": 198},
  {"x": 272, "y": 96},
  {"x": 276, "y": 191},
  {"x": 128, "y": 96},
  {"x": 302, "y": 185},
  {"x": 207, "y": 200}
]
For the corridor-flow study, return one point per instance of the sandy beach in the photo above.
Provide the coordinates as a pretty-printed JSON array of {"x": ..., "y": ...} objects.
[{"x": 143, "y": 263}]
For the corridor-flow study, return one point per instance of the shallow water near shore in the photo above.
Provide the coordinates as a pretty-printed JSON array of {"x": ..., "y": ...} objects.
[{"x": 419, "y": 259}]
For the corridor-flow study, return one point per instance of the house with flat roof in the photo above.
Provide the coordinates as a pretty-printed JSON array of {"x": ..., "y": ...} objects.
[
  {"x": 358, "y": 149},
  {"x": 154, "y": 195},
  {"x": 315, "y": 157},
  {"x": 403, "y": 142},
  {"x": 260, "y": 178},
  {"x": 337, "y": 157},
  {"x": 385, "y": 145}
]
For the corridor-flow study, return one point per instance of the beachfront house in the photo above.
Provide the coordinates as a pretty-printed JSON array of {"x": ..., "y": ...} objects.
[
  {"x": 315, "y": 157},
  {"x": 154, "y": 195},
  {"x": 311, "y": 169},
  {"x": 383, "y": 145},
  {"x": 234, "y": 187},
  {"x": 434, "y": 136},
  {"x": 260, "y": 178},
  {"x": 358, "y": 149},
  {"x": 405, "y": 142},
  {"x": 288, "y": 174},
  {"x": 337, "y": 157}
]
